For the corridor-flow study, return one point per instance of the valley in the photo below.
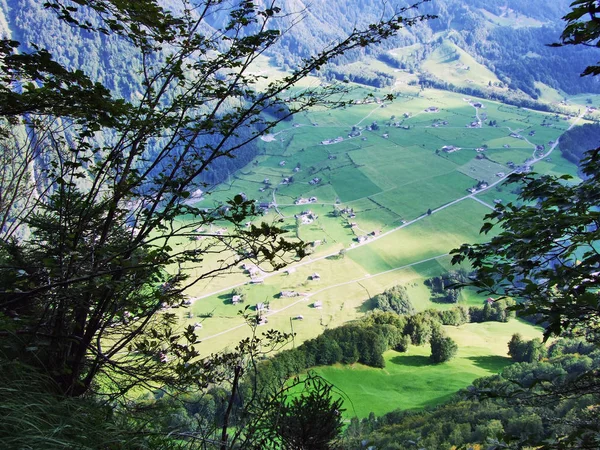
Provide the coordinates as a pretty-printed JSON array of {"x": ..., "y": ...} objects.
[
  {"x": 381, "y": 208},
  {"x": 265, "y": 225}
]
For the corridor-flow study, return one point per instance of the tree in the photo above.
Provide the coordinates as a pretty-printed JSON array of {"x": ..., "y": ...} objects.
[
  {"x": 309, "y": 420},
  {"x": 443, "y": 348},
  {"x": 526, "y": 351},
  {"x": 91, "y": 254}
]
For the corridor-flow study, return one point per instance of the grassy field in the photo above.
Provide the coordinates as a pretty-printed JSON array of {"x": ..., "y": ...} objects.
[
  {"x": 410, "y": 381},
  {"x": 365, "y": 186}
]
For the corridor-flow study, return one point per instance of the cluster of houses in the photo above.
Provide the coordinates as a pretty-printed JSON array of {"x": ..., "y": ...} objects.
[
  {"x": 366, "y": 237},
  {"x": 304, "y": 201},
  {"x": 261, "y": 310},
  {"x": 332, "y": 141},
  {"x": 479, "y": 186},
  {"x": 524, "y": 168},
  {"x": 252, "y": 270},
  {"x": 356, "y": 131},
  {"x": 367, "y": 101},
  {"x": 349, "y": 212},
  {"x": 306, "y": 217}
]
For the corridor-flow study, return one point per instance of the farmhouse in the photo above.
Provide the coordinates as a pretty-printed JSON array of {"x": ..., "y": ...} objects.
[
  {"x": 450, "y": 148},
  {"x": 282, "y": 163},
  {"x": 261, "y": 320},
  {"x": 312, "y": 200},
  {"x": 315, "y": 277},
  {"x": 432, "y": 109},
  {"x": 266, "y": 181},
  {"x": 516, "y": 136},
  {"x": 477, "y": 105},
  {"x": 332, "y": 141},
  {"x": 288, "y": 294},
  {"x": 315, "y": 180},
  {"x": 301, "y": 201},
  {"x": 299, "y": 317},
  {"x": 317, "y": 305},
  {"x": 261, "y": 307},
  {"x": 361, "y": 239},
  {"x": 500, "y": 174},
  {"x": 236, "y": 299}
]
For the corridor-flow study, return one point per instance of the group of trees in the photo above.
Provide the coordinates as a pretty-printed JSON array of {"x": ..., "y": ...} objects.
[
  {"x": 394, "y": 299},
  {"x": 446, "y": 287}
]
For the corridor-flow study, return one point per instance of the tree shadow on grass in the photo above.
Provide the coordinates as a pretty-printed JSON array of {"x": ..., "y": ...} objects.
[
  {"x": 226, "y": 298},
  {"x": 411, "y": 361},
  {"x": 366, "y": 306},
  {"x": 493, "y": 363}
]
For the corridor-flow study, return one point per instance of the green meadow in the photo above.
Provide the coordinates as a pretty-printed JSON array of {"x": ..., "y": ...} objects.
[{"x": 410, "y": 381}]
